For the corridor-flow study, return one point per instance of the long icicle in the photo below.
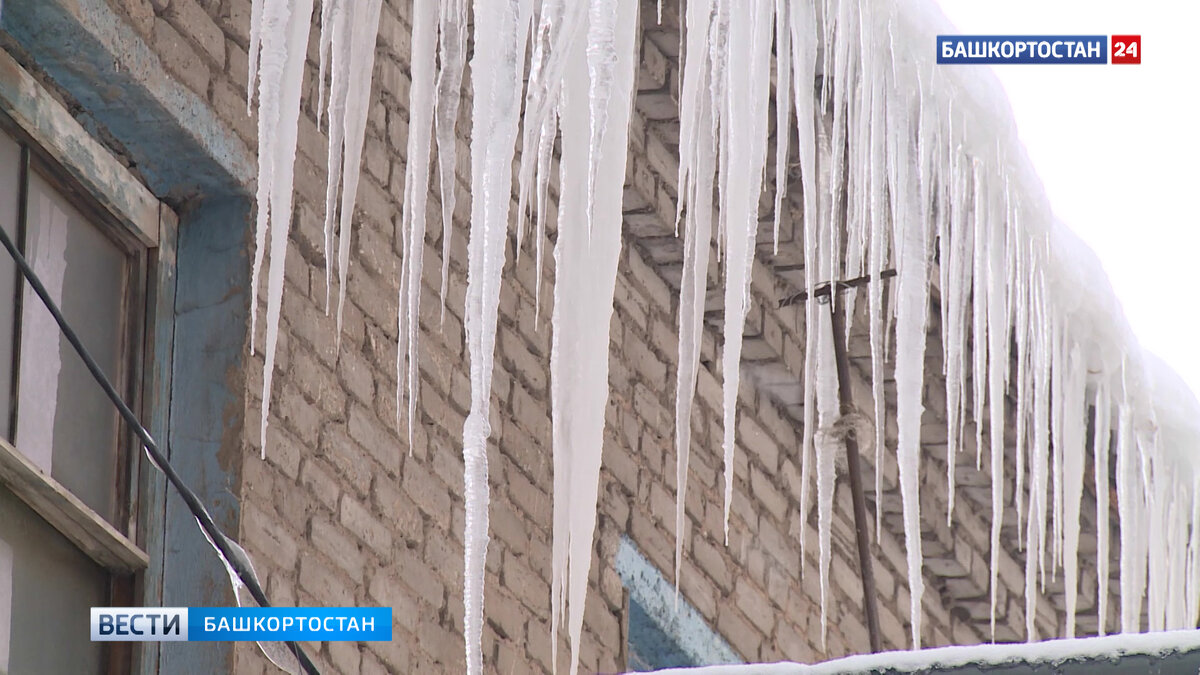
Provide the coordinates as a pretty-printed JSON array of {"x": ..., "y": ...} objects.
[
  {"x": 337, "y": 34},
  {"x": 284, "y": 42},
  {"x": 585, "y": 279},
  {"x": 1100, "y": 452},
  {"x": 1074, "y": 453},
  {"x": 364, "y": 27},
  {"x": 697, "y": 249},
  {"x": 416, "y": 191},
  {"x": 745, "y": 124},
  {"x": 997, "y": 378},
  {"x": 695, "y": 186},
  {"x": 783, "y": 112},
  {"x": 828, "y": 446},
  {"x": 911, "y": 320},
  {"x": 452, "y": 54},
  {"x": 804, "y": 57},
  {"x": 498, "y": 69},
  {"x": 333, "y": 13}
]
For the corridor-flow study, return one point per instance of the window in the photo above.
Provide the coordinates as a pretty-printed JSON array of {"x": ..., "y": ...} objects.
[
  {"x": 663, "y": 634},
  {"x": 66, "y": 459}
]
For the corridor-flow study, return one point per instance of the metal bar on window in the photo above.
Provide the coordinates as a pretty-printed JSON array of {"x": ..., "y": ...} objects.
[{"x": 222, "y": 543}]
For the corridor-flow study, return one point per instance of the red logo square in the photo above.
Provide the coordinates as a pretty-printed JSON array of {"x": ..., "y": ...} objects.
[{"x": 1127, "y": 49}]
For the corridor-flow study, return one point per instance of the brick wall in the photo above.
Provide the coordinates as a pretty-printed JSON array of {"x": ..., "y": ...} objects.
[{"x": 343, "y": 512}]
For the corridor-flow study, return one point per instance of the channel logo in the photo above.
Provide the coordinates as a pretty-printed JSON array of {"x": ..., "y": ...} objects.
[
  {"x": 1038, "y": 49},
  {"x": 232, "y": 624}
]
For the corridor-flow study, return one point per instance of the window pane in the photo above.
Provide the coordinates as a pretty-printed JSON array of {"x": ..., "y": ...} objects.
[
  {"x": 64, "y": 421},
  {"x": 52, "y": 586}
]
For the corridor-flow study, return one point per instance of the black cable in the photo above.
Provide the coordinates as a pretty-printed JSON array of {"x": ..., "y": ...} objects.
[{"x": 211, "y": 530}]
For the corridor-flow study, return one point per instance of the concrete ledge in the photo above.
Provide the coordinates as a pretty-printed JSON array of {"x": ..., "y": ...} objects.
[
  {"x": 93, "y": 53},
  {"x": 55, "y": 131}
]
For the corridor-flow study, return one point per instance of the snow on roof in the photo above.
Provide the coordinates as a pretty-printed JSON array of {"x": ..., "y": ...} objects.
[
  {"x": 1080, "y": 284},
  {"x": 1049, "y": 652}
]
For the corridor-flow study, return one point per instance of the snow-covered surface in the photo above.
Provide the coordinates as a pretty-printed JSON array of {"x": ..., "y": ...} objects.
[
  {"x": 900, "y": 161},
  {"x": 1049, "y": 652}
]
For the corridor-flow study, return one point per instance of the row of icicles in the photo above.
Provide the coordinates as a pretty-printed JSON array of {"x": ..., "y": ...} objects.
[{"x": 918, "y": 177}]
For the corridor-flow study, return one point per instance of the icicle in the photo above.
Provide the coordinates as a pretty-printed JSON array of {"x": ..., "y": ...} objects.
[
  {"x": 1021, "y": 300},
  {"x": 364, "y": 27},
  {"x": 545, "y": 154},
  {"x": 835, "y": 221},
  {"x": 1129, "y": 512},
  {"x": 745, "y": 123},
  {"x": 697, "y": 247},
  {"x": 693, "y": 135},
  {"x": 851, "y": 260},
  {"x": 877, "y": 256},
  {"x": 586, "y": 269},
  {"x": 541, "y": 96},
  {"x": 284, "y": 44},
  {"x": 979, "y": 309},
  {"x": 340, "y": 43},
  {"x": 1176, "y": 542},
  {"x": 947, "y": 211},
  {"x": 256, "y": 19},
  {"x": 416, "y": 192},
  {"x": 997, "y": 379},
  {"x": 783, "y": 111},
  {"x": 804, "y": 57},
  {"x": 1156, "y": 586},
  {"x": 559, "y": 26},
  {"x": 1100, "y": 451},
  {"x": 1192, "y": 589},
  {"x": 601, "y": 60},
  {"x": 912, "y": 315},
  {"x": 961, "y": 250},
  {"x": 498, "y": 70},
  {"x": 697, "y": 168},
  {"x": 696, "y": 192},
  {"x": 1039, "y": 458},
  {"x": 1058, "y": 379},
  {"x": 828, "y": 446},
  {"x": 328, "y": 9},
  {"x": 1073, "y": 453},
  {"x": 452, "y": 48},
  {"x": 1041, "y": 424}
]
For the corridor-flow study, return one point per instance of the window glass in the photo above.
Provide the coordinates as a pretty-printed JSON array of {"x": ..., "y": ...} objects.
[
  {"x": 650, "y": 648},
  {"x": 51, "y": 586},
  {"x": 65, "y": 423}
]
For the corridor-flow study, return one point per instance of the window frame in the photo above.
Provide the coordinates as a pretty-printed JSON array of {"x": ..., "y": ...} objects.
[
  {"x": 109, "y": 544},
  {"x": 134, "y": 310}
]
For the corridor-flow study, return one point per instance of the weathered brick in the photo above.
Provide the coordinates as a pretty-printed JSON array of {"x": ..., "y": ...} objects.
[
  {"x": 322, "y": 581},
  {"x": 180, "y": 58},
  {"x": 341, "y": 548},
  {"x": 369, "y": 528},
  {"x": 270, "y": 536},
  {"x": 428, "y": 492},
  {"x": 378, "y": 439}
]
